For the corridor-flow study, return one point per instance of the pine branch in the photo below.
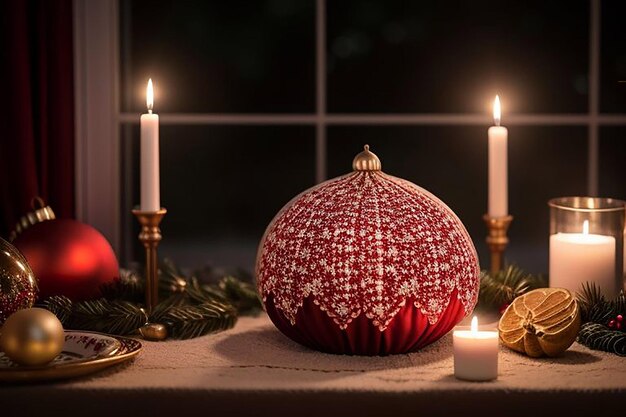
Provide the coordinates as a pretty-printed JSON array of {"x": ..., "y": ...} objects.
[
  {"x": 600, "y": 313},
  {"x": 130, "y": 287},
  {"x": 188, "y": 321},
  {"x": 204, "y": 293},
  {"x": 242, "y": 294},
  {"x": 171, "y": 279},
  {"x": 115, "y": 317},
  {"x": 597, "y": 309},
  {"x": 589, "y": 298},
  {"x": 619, "y": 304},
  {"x": 599, "y": 337},
  {"x": 596, "y": 313},
  {"x": 188, "y": 308},
  {"x": 61, "y": 307},
  {"x": 164, "y": 306},
  {"x": 506, "y": 285}
]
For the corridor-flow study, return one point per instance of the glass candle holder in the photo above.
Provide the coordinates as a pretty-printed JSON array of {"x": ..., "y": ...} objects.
[{"x": 587, "y": 243}]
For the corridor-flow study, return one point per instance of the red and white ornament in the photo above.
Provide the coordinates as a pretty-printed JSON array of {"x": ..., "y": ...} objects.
[{"x": 367, "y": 263}]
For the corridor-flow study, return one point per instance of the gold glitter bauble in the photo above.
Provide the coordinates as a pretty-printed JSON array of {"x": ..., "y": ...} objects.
[
  {"x": 18, "y": 287},
  {"x": 32, "y": 337}
]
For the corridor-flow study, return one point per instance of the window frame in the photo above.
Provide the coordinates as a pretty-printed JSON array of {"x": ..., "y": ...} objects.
[{"x": 99, "y": 118}]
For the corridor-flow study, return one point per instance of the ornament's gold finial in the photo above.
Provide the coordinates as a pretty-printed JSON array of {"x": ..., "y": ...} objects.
[
  {"x": 366, "y": 161},
  {"x": 40, "y": 213}
]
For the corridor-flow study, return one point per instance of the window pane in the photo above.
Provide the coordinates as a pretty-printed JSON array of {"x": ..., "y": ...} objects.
[
  {"x": 451, "y": 162},
  {"x": 612, "y": 166},
  {"x": 613, "y": 57},
  {"x": 403, "y": 56},
  {"x": 221, "y": 187},
  {"x": 219, "y": 56}
]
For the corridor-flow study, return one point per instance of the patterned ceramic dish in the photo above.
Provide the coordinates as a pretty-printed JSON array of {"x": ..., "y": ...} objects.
[
  {"x": 78, "y": 347},
  {"x": 83, "y": 353}
]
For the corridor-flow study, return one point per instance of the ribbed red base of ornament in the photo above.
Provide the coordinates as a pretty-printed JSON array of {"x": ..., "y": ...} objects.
[{"x": 408, "y": 331}]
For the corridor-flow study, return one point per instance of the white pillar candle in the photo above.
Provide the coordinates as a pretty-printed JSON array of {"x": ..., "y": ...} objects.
[
  {"x": 475, "y": 353},
  {"x": 150, "y": 193},
  {"x": 498, "y": 176},
  {"x": 576, "y": 258}
]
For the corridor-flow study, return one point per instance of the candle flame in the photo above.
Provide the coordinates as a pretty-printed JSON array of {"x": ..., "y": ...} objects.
[
  {"x": 474, "y": 325},
  {"x": 586, "y": 227},
  {"x": 496, "y": 110},
  {"x": 150, "y": 96}
]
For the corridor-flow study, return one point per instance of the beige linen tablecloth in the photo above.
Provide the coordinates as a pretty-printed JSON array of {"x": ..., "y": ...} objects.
[{"x": 254, "y": 370}]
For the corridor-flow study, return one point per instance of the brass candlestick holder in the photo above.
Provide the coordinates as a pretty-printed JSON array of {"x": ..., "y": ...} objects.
[
  {"x": 497, "y": 239},
  {"x": 150, "y": 236}
]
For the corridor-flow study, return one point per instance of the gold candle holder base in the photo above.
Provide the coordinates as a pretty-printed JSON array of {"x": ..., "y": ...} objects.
[
  {"x": 150, "y": 236},
  {"x": 497, "y": 239}
]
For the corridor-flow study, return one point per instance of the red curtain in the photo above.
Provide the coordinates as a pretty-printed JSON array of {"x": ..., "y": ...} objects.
[{"x": 37, "y": 102}]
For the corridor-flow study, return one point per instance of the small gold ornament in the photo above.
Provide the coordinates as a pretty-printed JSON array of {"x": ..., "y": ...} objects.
[
  {"x": 153, "y": 331},
  {"x": 32, "y": 337},
  {"x": 542, "y": 322}
]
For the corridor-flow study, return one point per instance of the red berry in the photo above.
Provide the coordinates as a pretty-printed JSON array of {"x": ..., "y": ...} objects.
[
  {"x": 619, "y": 318},
  {"x": 618, "y": 325},
  {"x": 503, "y": 308},
  {"x": 612, "y": 324}
]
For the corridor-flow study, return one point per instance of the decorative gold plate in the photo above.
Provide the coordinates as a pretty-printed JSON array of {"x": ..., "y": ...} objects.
[{"x": 68, "y": 365}]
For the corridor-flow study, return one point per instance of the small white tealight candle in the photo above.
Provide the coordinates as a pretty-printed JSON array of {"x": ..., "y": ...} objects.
[{"x": 475, "y": 353}]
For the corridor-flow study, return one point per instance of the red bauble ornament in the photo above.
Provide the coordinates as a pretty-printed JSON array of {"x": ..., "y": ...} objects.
[
  {"x": 68, "y": 258},
  {"x": 367, "y": 264}
]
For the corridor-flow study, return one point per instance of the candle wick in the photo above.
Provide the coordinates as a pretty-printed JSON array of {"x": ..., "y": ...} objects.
[{"x": 149, "y": 111}]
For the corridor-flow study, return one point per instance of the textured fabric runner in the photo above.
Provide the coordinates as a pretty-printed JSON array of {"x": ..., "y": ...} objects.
[{"x": 254, "y": 370}]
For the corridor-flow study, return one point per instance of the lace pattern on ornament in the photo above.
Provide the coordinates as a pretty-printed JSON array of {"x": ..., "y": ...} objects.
[{"x": 362, "y": 244}]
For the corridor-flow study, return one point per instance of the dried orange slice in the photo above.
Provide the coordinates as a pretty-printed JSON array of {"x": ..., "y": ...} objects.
[{"x": 541, "y": 322}]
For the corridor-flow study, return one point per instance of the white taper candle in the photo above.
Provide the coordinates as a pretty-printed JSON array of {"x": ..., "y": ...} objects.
[
  {"x": 498, "y": 170},
  {"x": 150, "y": 188}
]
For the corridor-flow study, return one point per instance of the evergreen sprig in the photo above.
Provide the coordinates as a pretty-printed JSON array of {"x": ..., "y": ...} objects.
[
  {"x": 189, "y": 308},
  {"x": 589, "y": 298},
  {"x": 101, "y": 315},
  {"x": 596, "y": 313},
  {"x": 114, "y": 317},
  {"x": 188, "y": 321},
  {"x": 594, "y": 307},
  {"x": 506, "y": 285},
  {"x": 61, "y": 307},
  {"x": 599, "y": 337},
  {"x": 129, "y": 287},
  {"x": 243, "y": 294}
]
